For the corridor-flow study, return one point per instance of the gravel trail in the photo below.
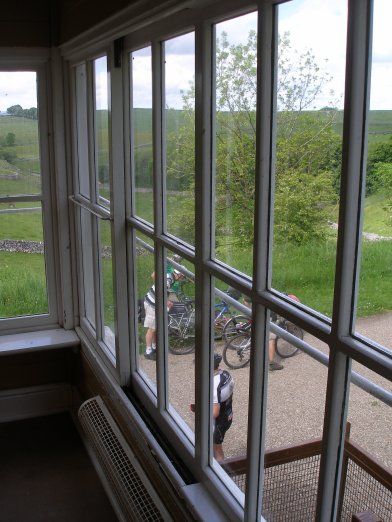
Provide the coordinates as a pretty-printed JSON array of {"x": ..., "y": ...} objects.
[{"x": 296, "y": 398}]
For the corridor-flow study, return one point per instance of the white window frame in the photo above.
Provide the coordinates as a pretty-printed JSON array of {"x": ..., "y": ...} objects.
[
  {"x": 345, "y": 345},
  {"x": 37, "y": 60}
]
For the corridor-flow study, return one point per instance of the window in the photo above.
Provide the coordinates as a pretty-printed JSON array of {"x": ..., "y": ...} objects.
[
  {"x": 27, "y": 290},
  {"x": 92, "y": 201},
  {"x": 239, "y": 170}
]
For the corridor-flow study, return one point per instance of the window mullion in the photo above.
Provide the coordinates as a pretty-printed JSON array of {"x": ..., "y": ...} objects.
[
  {"x": 203, "y": 205},
  {"x": 93, "y": 199},
  {"x": 46, "y": 153},
  {"x": 118, "y": 214},
  {"x": 352, "y": 185},
  {"x": 266, "y": 92},
  {"x": 157, "y": 55}
]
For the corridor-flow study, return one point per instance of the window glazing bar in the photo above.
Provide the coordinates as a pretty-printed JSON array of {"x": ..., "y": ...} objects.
[
  {"x": 118, "y": 211},
  {"x": 266, "y": 93},
  {"x": 90, "y": 207},
  {"x": 353, "y": 171},
  {"x": 159, "y": 250},
  {"x": 204, "y": 146}
]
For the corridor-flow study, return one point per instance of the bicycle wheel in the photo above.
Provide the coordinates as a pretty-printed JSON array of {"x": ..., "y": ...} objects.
[
  {"x": 236, "y": 353},
  {"x": 219, "y": 324},
  {"x": 180, "y": 345},
  {"x": 284, "y": 348},
  {"x": 234, "y": 326}
]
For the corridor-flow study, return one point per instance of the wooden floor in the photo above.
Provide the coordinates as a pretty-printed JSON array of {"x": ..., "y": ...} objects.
[{"x": 46, "y": 474}]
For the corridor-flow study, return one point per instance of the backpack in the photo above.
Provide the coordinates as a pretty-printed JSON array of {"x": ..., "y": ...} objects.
[{"x": 141, "y": 313}]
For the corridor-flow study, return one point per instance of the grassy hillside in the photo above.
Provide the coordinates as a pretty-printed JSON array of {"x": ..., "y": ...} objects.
[{"x": 380, "y": 125}]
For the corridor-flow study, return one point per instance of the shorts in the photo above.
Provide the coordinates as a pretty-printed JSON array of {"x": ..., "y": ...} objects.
[
  {"x": 272, "y": 336},
  {"x": 149, "y": 320},
  {"x": 220, "y": 431}
]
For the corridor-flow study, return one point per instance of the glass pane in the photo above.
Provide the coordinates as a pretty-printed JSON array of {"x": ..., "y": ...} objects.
[
  {"x": 145, "y": 286},
  {"x": 20, "y": 169},
  {"x": 102, "y": 130},
  {"x": 230, "y": 381},
  {"x": 82, "y": 135},
  {"x": 310, "y": 89},
  {"x": 295, "y": 415},
  {"x": 375, "y": 283},
  {"x": 181, "y": 337},
  {"x": 235, "y": 134},
  {"x": 107, "y": 284},
  {"x": 180, "y": 135},
  {"x": 371, "y": 423},
  {"x": 88, "y": 269},
  {"x": 23, "y": 288},
  {"x": 141, "y": 120}
]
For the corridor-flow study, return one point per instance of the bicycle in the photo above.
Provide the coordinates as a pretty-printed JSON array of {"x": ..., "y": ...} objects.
[
  {"x": 236, "y": 352},
  {"x": 222, "y": 312},
  {"x": 181, "y": 326}
]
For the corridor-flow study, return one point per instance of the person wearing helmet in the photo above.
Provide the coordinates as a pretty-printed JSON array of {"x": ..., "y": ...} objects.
[
  {"x": 149, "y": 319},
  {"x": 176, "y": 285},
  {"x": 222, "y": 406}
]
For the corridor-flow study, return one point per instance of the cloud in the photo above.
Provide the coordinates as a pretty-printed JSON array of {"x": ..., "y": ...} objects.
[
  {"x": 18, "y": 88},
  {"x": 321, "y": 26}
]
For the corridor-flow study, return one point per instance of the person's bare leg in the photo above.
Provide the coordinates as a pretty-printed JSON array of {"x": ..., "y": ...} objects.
[
  {"x": 218, "y": 452},
  {"x": 150, "y": 336},
  {"x": 271, "y": 349},
  {"x": 273, "y": 365}
]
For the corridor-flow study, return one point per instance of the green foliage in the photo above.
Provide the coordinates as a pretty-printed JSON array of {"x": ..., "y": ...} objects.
[
  {"x": 380, "y": 154},
  {"x": 375, "y": 215},
  {"x": 307, "y": 146},
  {"x": 19, "y": 112},
  {"x": 301, "y": 206},
  {"x": 15, "y": 110},
  {"x": 8, "y": 140},
  {"x": 6, "y": 168},
  {"x": 8, "y": 157},
  {"x": 383, "y": 173}
]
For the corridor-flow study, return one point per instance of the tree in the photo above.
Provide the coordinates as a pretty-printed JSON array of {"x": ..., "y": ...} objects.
[
  {"x": 31, "y": 114},
  {"x": 10, "y": 139},
  {"x": 18, "y": 111},
  {"x": 307, "y": 147},
  {"x": 383, "y": 174},
  {"x": 15, "y": 110},
  {"x": 382, "y": 153}
]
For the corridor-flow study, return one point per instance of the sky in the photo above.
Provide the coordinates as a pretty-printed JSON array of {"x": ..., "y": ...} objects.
[{"x": 314, "y": 25}]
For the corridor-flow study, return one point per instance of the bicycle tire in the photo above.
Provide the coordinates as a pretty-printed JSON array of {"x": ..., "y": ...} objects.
[
  {"x": 236, "y": 353},
  {"x": 179, "y": 345},
  {"x": 284, "y": 348},
  {"x": 234, "y": 326}
]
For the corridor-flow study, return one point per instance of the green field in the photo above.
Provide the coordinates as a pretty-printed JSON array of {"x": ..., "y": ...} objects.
[{"x": 305, "y": 270}]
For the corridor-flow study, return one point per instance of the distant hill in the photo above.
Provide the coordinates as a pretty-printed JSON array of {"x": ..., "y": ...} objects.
[{"x": 380, "y": 125}]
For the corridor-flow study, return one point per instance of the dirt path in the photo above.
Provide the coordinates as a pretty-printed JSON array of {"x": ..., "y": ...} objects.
[{"x": 296, "y": 398}]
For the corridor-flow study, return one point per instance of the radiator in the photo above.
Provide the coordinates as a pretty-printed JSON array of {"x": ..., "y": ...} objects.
[{"x": 129, "y": 486}]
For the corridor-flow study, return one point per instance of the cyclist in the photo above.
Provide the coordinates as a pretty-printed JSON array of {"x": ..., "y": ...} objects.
[
  {"x": 149, "y": 320},
  {"x": 222, "y": 407},
  {"x": 273, "y": 365}
]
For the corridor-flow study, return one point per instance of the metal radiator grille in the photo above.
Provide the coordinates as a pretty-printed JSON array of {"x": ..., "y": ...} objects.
[{"x": 129, "y": 484}]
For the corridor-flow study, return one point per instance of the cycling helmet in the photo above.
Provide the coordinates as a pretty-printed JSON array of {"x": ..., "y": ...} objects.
[
  {"x": 217, "y": 360},
  {"x": 232, "y": 292}
]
